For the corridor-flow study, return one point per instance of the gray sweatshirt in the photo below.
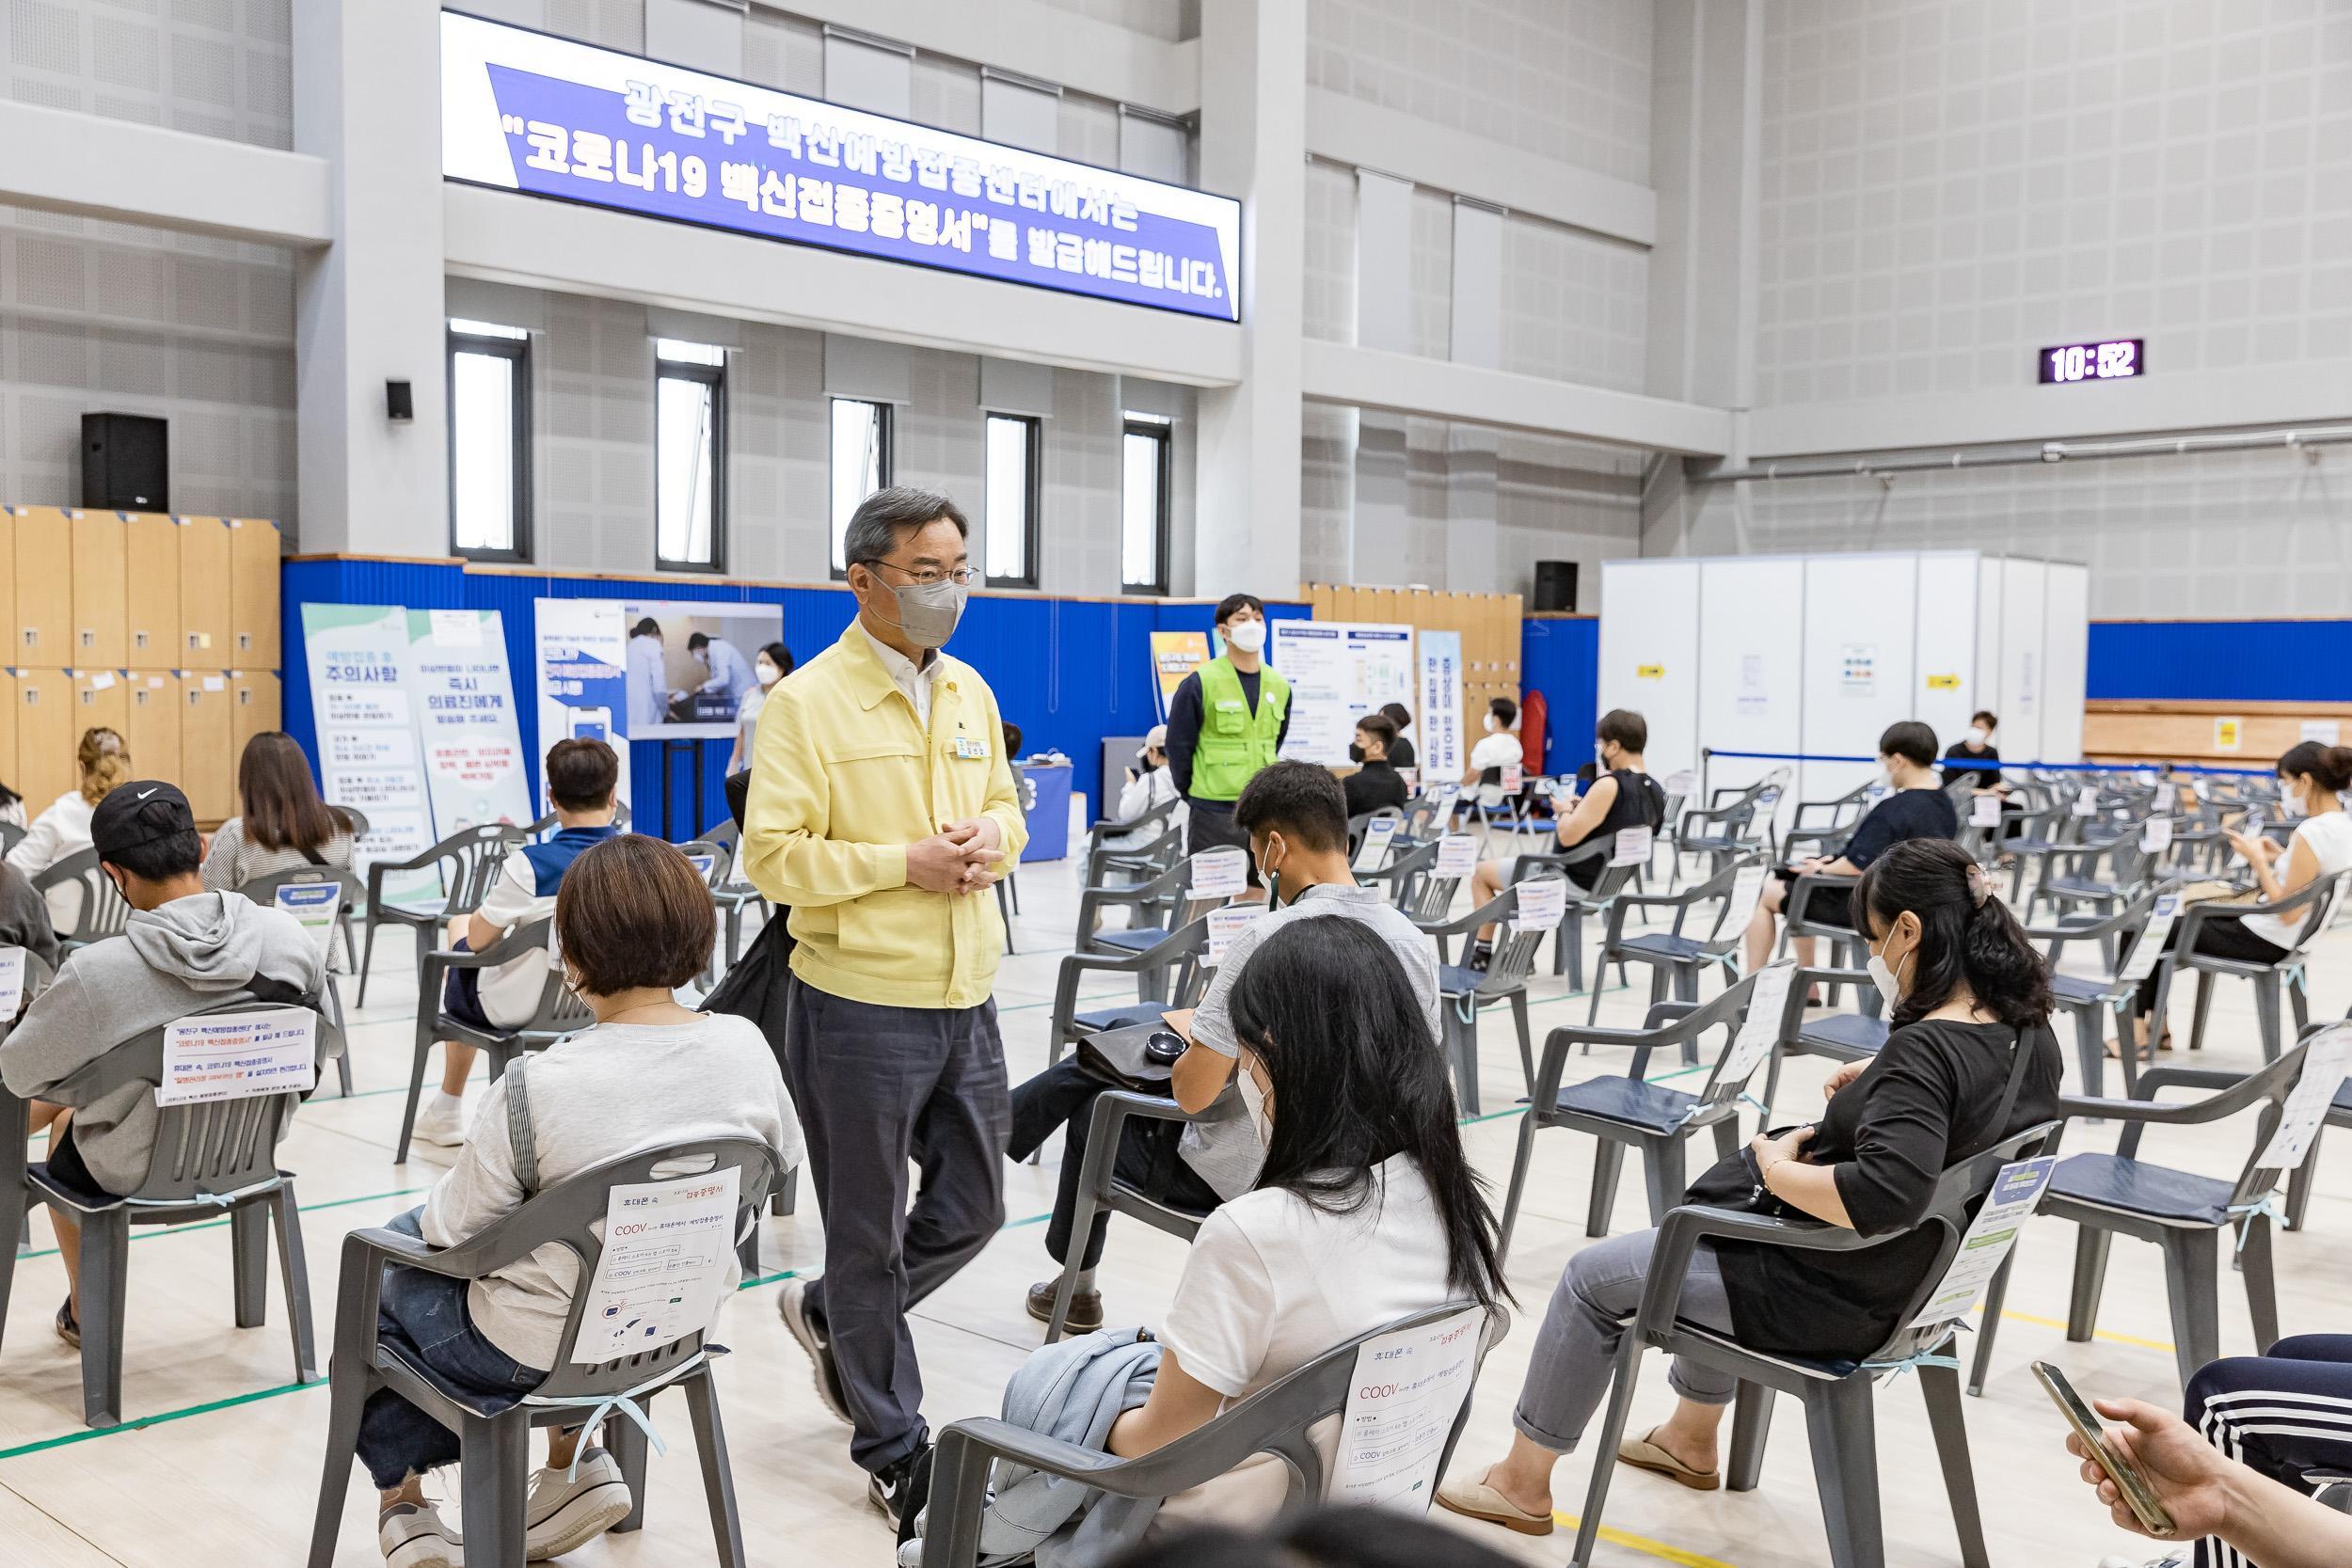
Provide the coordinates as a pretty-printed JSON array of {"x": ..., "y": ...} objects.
[{"x": 185, "y": 957}]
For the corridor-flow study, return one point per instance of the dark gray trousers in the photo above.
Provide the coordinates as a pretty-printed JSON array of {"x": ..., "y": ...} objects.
[{"x": 876, "y": 1088}]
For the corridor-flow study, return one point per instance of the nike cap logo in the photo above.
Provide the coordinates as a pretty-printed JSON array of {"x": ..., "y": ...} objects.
[{"x": 145, "y": 793}]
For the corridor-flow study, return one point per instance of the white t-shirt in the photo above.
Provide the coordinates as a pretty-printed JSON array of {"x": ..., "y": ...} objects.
[
  {"x": 2330, "y": 836},
  {"x": 510, "y": 993},
  {"x": 1498, "y": 750},
  {"x": 62, "y": 830},
  {"x": 1272, "y": 1282}
]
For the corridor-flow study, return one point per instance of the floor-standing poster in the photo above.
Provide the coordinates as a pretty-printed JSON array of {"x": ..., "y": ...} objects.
[
  {"x": 367, "y": 734},
  {"x": 1437, "y": 718},
  {"x": 1338, "y": 671},
  {"x": 583, "y": 662},
  {"x": 1174, "y": 655},
  {"x": 463, "y": 697}
]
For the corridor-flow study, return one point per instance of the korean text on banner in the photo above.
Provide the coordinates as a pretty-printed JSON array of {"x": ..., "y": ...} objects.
[
  {"x": 2307, "y": 1106},
  {"x": 11, "y": 981},
  {"x": 314, "y": 906},
  {"x": 367, "y": 735},
  {"x": 1541, "y": 903},
  {"x": 1174, "y": 655},
  {"x": 583, "y": 676},
  {"x": 1457, "y": 855},
  {"x": 464, "y": 700},
  {"x": 2007, "y": 1207},
  {"x": 1338, "y": 672},
  {"x": 1407, "y": 1390},
  {"x": 1220, "y": 873},
  {"x": 669, "y": 1247},
  {"x": 237, "y": 1055},
  {"x": 1228, "y": 922},
  {"x": 1442, "y": 752},
  {"x": 1374, "y": 852},
  {"x": 1754, "y": 1041}
]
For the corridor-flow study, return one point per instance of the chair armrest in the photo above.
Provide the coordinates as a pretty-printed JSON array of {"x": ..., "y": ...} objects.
[
  {"x": 1689, "y": 1225},
  {"x": 2236, "y": 1091},
  {"x": 1486, "y": 916}
]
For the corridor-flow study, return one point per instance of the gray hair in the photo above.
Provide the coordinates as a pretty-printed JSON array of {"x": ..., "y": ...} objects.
[{"x": 878, "y": 523}]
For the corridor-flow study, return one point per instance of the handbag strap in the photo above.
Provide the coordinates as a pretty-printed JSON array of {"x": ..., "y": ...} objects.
[
  {"x": 2008, "y": 1096},
  {"x": 519, "y": 1136}
]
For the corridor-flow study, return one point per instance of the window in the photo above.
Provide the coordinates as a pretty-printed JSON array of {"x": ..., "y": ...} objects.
[
  {"x": 1143, "y": 509},
  {"x": 690, "y": 460},
  {"x": 489, "y": 440},
  {"x": 861, "y": 464},
  {"x": 1013, "y": 479}
]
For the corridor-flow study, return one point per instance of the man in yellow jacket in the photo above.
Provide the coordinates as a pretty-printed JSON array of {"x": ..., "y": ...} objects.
[{"x": 881, "y": 807}]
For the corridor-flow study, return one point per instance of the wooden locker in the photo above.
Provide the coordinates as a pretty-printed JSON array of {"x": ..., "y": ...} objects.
[
  {"x": 45, "y": 589},
  {"x": 152, "y": 588},
  {"x": 204, "y": 574},
  {"x": 8, "y": 515},
  {"x": 100, "y": 700},
  {"x": 99, "y": 539},
  {"x": 151, "y": 723},
  {"x": 253, "y": 591},
  {"x": 45, "y": 738},
  {"x": 255, "y": 694},
  {"x": 9, "y": 773},
  {"x": 207, "y": 763}
]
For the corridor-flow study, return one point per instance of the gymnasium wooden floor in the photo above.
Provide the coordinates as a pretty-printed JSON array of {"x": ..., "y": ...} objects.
[{"x": 219, "y": 1463}]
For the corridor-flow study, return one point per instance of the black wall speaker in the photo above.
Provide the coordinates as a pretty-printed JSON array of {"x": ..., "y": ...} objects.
[
  {"x": 1555, "y": 586},
  {"x": 125, "y": 461}
]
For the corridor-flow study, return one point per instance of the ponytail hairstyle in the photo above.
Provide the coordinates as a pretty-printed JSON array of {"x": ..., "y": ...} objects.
[
  {"x": 2330, "y": 765},
  {"x": 1325, "y": 1006},
  {"x": 105, "y": 763},
  {"x": 1966, "y": 935}
]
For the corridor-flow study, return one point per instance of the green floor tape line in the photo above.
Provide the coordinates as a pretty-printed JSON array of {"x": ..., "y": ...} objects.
[
  {"x": 215, "y": 1224},
  {"x": 141, "y": 1422}
]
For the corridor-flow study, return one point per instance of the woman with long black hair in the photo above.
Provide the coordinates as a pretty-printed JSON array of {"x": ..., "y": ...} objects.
[
  {"x": 1366, "y": 1211},
  {"x": 1970, "y": 1062}
]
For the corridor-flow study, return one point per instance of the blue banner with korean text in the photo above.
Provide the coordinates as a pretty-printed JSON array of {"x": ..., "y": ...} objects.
[{"x": 528, "y": 112}]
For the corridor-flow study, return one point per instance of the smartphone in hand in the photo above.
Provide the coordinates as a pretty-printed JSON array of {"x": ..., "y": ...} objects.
[{"x": 2136, "y": 1493}]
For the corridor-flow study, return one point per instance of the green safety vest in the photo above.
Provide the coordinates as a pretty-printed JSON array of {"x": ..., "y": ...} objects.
[{"x": 1234, "y": 743}]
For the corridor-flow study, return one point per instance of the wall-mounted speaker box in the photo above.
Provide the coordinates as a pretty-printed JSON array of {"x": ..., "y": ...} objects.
[
  {"x": 1555, "y": 587},
  {"x": 125, "y": 461}
]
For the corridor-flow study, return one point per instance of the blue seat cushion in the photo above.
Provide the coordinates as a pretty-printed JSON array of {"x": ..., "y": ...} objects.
[
  {"x": 2135, "y": 1187},
  {"x": 2076, "y": 888},
  {"x": 1138, "y": 940},
  {"x": 1119, "y": 1018},
  {"x": 1662, "y": 945},
  {"x": 1846, "y": 1032},
  {"x": 2079, "y": 987},
  {"x": 1650, "y": 1107},
  {"x": 1828, "y": 1370}
]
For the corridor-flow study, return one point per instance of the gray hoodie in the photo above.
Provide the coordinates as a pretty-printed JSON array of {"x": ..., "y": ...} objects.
[{"x": 188, "y": 956}]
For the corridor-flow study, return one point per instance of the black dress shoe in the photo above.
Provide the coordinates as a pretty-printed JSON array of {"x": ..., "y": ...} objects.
[{"x": 1086, "y": 1307}]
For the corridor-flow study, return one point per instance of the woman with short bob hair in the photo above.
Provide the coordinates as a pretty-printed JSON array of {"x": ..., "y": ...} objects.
[
  {"x": 1970, "y": 1062},
  {"x": 285, "y": 824},
  {"x": 633, "y": 921}
]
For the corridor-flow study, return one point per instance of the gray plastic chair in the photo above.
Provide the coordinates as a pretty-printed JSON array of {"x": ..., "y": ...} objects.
[
  {"x": 1171, "y": 968},
  {"x": 1100, "y": 1189},
  {"x": 1408, "y": 867},
  {"x": 1629, "y": 1112},
  {"x": 1675, "y": 960},
  {"x": 2090, "y": 998},
  {"x": 210, "y": 1159},
  {"x": 101, "y": 913},
  {"x": 1567, "y": 951},
  {"x": 1828, "y": 837},
  {"x": 2122, "y": 1194},
  {"x": 2300, "y": 1183},
  {"x": 1839, "y": 1036},
  {"x": 469, "y": 859},
  {"x": 2316, "y": 901},
  {"x": 560, "y": 1013},
  {"x": 263, "y": 891},
  {"x": 1162, "y": 905},
  {"x": 1847, "y": 945},
  {"x": 495, "y": 1438},
  {"x": 1841, "y": 1421},
  {"x": 1276, "y": 1420},
  {"x": 1462, "y": 991},
  {"x": 1733, "y": 821}
]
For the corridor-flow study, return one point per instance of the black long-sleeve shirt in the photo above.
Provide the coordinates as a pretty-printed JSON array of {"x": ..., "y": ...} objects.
[{"x": 1185, "y": 712}]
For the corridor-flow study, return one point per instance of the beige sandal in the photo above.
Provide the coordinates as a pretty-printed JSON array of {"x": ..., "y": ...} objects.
[
  {"x": 1642, "y": 1454},
  {"x": 1475, "y": 1499}
]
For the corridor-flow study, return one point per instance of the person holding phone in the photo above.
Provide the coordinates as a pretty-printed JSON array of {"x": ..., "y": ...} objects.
[{"x": 2238, "y": 1515}]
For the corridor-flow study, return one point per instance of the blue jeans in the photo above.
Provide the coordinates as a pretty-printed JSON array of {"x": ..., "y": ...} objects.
[{"x": 426, "y": 1313}]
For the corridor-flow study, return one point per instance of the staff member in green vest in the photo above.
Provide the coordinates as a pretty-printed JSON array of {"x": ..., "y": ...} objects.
[{"x": 1224, "y": 722}]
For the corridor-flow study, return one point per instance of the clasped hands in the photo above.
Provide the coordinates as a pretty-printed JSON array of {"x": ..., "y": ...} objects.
[{"x": 960, "y": 858}]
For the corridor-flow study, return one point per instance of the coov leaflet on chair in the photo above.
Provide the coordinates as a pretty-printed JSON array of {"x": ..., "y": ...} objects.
[
  {"x": 1410, "y": 1387},
  {"x": 2007, "y": 1207},
  {"x": 314, "y": 905},
  {"x": 1747, "y": 886},
  {"x": 2314, "y": 1092},
  {"x": 1374, "y": 852},
  {"x": 1762, "y": 1027},
  {"x": 11, "y": 981},
  {"x": 2149, "y": 946},
  {"x": 237, "y": 1055},
  {"x": 664, "y": 1268},
  {"x": 1984, "y": 811}
]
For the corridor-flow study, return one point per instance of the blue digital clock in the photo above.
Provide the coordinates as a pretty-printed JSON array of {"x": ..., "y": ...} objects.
[{"x": 2114, "y": 361}]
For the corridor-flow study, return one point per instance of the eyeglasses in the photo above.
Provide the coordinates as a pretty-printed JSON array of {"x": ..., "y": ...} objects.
[{"x": 962, "y": 577}]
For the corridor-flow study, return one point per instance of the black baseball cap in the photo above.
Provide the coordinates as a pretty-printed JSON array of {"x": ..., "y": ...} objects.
[{"x": 145, "y": 810}]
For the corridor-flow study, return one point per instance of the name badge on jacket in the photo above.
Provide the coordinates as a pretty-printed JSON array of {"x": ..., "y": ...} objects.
[{"x": 970, "y": 748}]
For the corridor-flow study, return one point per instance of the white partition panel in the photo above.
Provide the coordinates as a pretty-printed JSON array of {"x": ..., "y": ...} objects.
[
  {"x": 1751, "y": 666},
  {"x": 1649, "y": 654},
  {"x": 2066, "y": 650},
  {"x": 1859, "y": 662},
  {"x": 1944, "y": 684},
  {"x": 1988, "y": 646},
  {"x": 2025, "y": 670}
]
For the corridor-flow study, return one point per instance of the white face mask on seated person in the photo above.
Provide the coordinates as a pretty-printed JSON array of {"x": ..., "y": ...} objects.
[
  {"x": 1980, "y": 736},
  {"x": 1887, "y": 968},
  {"x": 1256, "y": 1099}
]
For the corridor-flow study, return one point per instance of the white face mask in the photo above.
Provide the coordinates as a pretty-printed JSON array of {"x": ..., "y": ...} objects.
[
  {"x": 769, "y": 673},
  {"x": 1245, "y": 636},
  {"x": 1493, "y": 724},
  {"x": 1253, "y": 1098},
  {"x": 2290, "y": 801},
  {"x": 1885, "y": 977},
  {"x": 1979, "y": 735}
]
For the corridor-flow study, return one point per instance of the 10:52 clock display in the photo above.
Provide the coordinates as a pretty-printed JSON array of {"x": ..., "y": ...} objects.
[{"x": 2112, "y": 361}]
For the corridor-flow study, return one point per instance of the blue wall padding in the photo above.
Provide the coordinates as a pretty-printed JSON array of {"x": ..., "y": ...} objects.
[
  {"x": 1562, "y": 660},
  {"x": 2224, "y": 661}
]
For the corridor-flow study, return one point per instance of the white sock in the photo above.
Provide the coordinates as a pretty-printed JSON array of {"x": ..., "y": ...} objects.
[{"x": 442, "y": 1098}]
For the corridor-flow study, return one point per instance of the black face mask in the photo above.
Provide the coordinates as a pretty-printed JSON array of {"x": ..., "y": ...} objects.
[{"x": 1355, "y": 754}]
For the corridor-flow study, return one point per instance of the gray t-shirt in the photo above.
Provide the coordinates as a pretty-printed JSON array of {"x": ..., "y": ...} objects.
[{"x": 1226, "y": 1154}]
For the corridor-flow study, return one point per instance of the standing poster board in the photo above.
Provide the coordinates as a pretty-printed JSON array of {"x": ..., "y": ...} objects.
[
  {"x": 1174, "y": 655},
  {"x": 1437, "y": 715},
  {"x": 367, "y": 733},
  {"x": 672, "y": 695},
  {"x": 1338, "y": 671},
  {"x": 582, "y": 652},
  {"x": 463, "y": 697}
]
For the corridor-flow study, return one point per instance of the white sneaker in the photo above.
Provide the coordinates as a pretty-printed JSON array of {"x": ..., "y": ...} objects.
[
  {"x": 441, "y": 1119},
  {"x": 561, "y": 1515},
  {"x": 413, "y": 1536}
]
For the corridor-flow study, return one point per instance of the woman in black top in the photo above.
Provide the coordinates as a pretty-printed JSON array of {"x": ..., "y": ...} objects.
[
  {"x": 1970, "y": 994},
  {"x": 1916, "y": 808}
]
